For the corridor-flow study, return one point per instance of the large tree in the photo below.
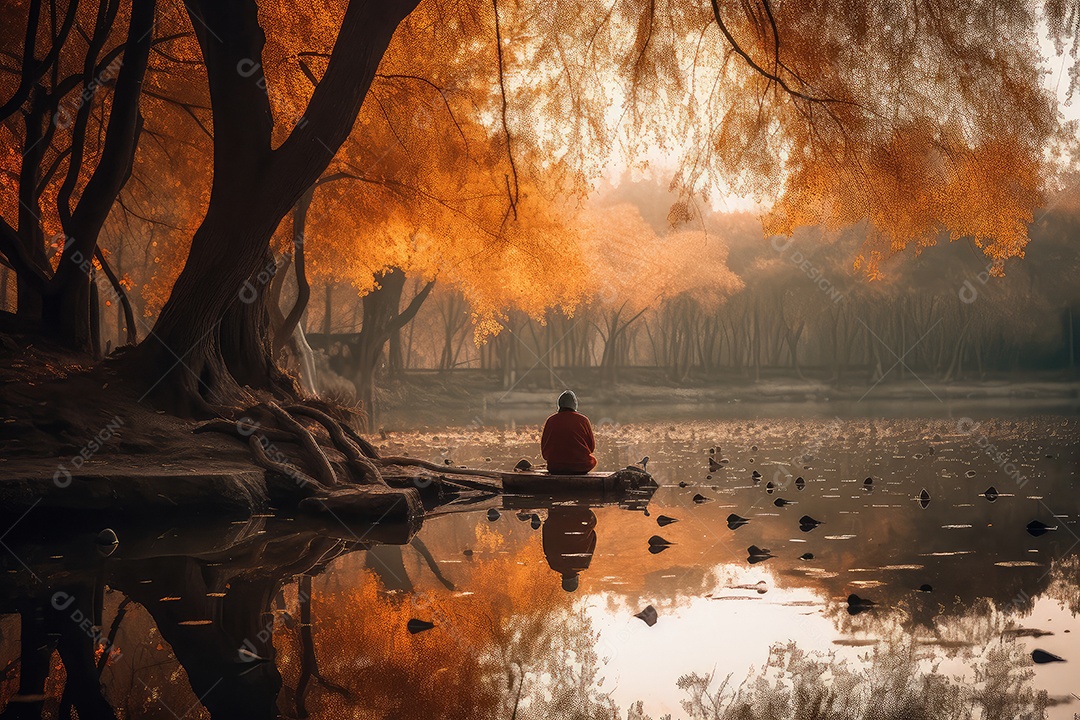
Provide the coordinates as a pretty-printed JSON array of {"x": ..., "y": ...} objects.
[{"x": 922, "y": 119}]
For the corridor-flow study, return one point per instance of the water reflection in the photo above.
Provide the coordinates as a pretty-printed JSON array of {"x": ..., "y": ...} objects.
[
  {"x": 532, "y": 614},
  {"x": 569, "y": 539}
]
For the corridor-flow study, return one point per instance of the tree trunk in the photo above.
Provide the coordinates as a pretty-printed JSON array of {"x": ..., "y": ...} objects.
[
  {"x": 382, "y": 318},
  {"x": 255, "y": 185}
]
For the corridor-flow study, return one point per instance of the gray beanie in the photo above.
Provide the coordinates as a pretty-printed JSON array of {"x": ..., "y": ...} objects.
[{"x": 568, "y": 400}]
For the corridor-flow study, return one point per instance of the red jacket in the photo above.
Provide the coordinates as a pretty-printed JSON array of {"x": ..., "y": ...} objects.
[{"x": 568, "y": 443}]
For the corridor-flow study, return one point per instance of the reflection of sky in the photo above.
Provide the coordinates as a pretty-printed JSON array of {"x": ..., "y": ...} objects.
[{"x": 731, "y": 632}]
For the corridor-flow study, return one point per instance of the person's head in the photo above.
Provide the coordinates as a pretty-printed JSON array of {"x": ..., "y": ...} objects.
[
  {"x": 570, "y": 582},
  {"x": 568, "y": 400}
]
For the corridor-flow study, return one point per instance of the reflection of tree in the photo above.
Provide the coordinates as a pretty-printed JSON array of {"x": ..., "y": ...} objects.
[
  {"x": 894, "y": 682},
  {"x": 515, "y": 642},
  {"x": 1065, "y": 583}
]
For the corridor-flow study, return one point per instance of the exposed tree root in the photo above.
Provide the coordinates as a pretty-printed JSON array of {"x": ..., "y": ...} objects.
[
  {"x": 367, "y": 448},
  {"x": 344, "y": 444},
  {"x": 305, "y": 482},
  {"x": 288, "y": 449},
  {"x": 324, "y": 471},
  {"x": 443, "y": 469},
  {"x": 243, "y": 431}
]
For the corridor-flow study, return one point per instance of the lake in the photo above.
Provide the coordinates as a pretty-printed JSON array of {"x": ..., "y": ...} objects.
[{"x": 893, "y": 568}]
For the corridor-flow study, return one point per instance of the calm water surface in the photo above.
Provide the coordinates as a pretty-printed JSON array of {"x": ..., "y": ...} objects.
[{"x": 534, "y": 602}]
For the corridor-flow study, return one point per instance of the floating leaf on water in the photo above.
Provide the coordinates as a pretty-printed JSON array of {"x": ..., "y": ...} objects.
[
  {"x": 858, "y": 604},
  {"x": 990, "y": 493},
  {"x": 756, "y": 554},
  {"x": 734, "y": 522},
  {"x": 806, "y": 556},
  {"x": 492, "y": 514},
  {"x": 1042, "y": 657},
  {"x": 800, "y": 483},
  {"x": 418, "y": 626},
  {"x": 195, "y": 622},
  {"x": 781, "y": 502},
  {"x": 648, "y": 615},
  {"x": 657, "y": 540},
  {"x": 926, "y": 587},
  {"x": 699, "y": 498},
  {"x": 535, "y": 522},
  {"x": 769, "y": 487},
  {"x": 663, "y": 520},
  {"x": 1038, "y": 527},
  {"x": 924, "y": 498}
]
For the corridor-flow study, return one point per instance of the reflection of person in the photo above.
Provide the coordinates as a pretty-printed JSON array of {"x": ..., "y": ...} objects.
[
  {"x": 569, "y": 538},
  {"x": 567, "y": 443}
]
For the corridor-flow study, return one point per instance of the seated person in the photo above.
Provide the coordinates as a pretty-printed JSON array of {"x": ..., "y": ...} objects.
[{"x": 567, "y": 443}]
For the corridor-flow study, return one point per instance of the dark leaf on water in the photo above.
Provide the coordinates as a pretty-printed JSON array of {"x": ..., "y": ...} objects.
[
  {"x": 769, "y": 487},
  {"x": 648, "y": 615},
  {"x": 924, "y": 498},
  {"x": 734, "y": 522},
  {"x": 806, "y": 556},
  {"x": 682, "y": 484},
  {"x": 800, "y": 483},
  {"x": 926, "y": 588},
  {"x": 781, "y": 502},
  {"x": 758, "y": 551},
  {"x": 868, "y": 481},
  {"x": 991, "y": 493},
  {"x": 1038, "y": 527},
  {"x": 535, "y": 522},
  {"x": 699, "y": 498},
  {"x": 657, "y": 540},
  {"x": 663, "y": 520},
  {"x": 492, "y": 514},
  {"x": 1042, "y": 657},
  {"x": 418, "y": 626},
  {"x": 523, "y": 465}
]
